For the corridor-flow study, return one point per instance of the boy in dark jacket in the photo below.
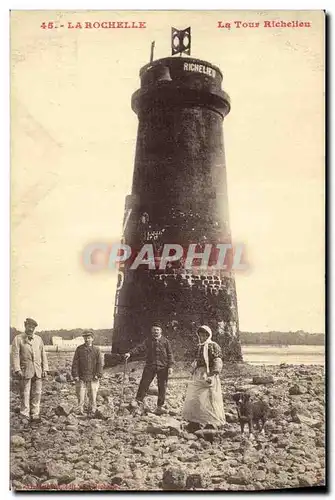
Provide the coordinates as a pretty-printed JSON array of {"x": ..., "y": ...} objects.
[
  {"x": 159, "y": 361},
  {"x": 86, "y": 371}
]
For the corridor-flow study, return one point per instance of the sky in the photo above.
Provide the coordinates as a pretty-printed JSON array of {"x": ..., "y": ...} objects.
[{"x": 73, "y": 137}]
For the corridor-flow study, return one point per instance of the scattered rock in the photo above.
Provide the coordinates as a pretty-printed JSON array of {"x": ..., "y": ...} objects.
[{"x": 92, "y": 453}]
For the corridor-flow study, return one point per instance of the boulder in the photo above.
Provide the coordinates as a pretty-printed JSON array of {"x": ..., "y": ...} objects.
[
  {"x": 59, "y": 471},
  {"x": 71, "y": 427},
  {"x": 17, "y": 485},
  {"x": 299, "y": 418},
  {"x": 259, "y": 475},
  {"x": 188, "y": 436},
  {"x": 63, "y": 409},
  {"x": 251, "y": 456},
  {"x": 272, "y": 467},
  {"x": 210, "y": 435},
  {"x": 16, "y": 472},
  {"x": 305, "y": 481},
  {"x": 117, "y": 480},
  {"x": 50, "y": 484},
  {"x": 81, "y": 485},
  {"x": 196, "y": 481},
  {"x": 139, "y": 475},
  {"x": 231, "y": 418},
  {"x": 263, "y": 380},
  {"x": 145, "y": 451},
  {"x": 104, "y": 412},
  {"x": 104, "y": 393},
  {"x": 318, "y": 425},
  {"x": 30, "y": 481},
  {"x": 71, "y": 419},
  {"x": 37, "y": 468},
  {"x": 231, "y": 433},
  {"x": 61, "y": 379},
  {"x": 174, "y": 478},
  {"x": 165, "y": 425},
  {"x": 320, "y": 442},
  {"x": 17, "y": 441},
  {"x": 296, "y": 390},
  {"x": 241, "y": 477}
]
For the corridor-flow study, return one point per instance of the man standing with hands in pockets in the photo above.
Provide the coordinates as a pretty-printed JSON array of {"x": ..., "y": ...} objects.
[
  {"x": 159, "y": 362},
  {"x": 87, "y": 371},
  {"x": 30, "y": 364}
]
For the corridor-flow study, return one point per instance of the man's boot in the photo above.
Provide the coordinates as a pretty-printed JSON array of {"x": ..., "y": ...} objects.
[{"x": 160, "y": 410}]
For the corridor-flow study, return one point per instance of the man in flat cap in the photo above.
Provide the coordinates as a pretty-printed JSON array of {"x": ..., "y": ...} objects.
[
  {"x": 159, "y": 362},
  {"x": 30, "y": 364},
  {"x": 87, "y": 371}
]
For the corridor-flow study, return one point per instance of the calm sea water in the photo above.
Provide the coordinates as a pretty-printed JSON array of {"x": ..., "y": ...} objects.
[
  {"x": 292, "y": 355},
  {"x": 254, "y": 354}
]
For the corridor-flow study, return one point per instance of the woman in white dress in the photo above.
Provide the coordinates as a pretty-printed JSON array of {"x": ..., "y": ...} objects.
[{"x": 203, "y": 404}]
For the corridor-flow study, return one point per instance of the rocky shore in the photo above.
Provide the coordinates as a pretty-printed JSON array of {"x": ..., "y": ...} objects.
[{"x": 124, "y": 450}]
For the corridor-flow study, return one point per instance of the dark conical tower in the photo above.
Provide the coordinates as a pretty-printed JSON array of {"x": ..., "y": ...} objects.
[{"x": 179, "y": 196}]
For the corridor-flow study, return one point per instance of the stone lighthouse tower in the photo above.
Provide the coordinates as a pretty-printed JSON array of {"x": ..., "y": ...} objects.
[{"x": 179, "y": 196}]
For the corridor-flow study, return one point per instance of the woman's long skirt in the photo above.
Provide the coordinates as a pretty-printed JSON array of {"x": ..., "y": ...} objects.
[{"x": 203, "y": 403}]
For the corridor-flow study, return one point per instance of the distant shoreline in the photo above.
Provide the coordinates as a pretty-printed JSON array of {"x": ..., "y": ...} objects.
[{"x": 277, "y": 339}]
